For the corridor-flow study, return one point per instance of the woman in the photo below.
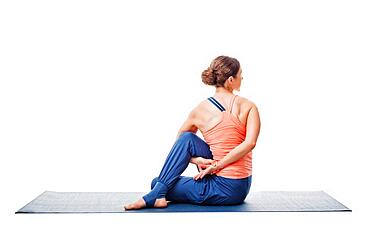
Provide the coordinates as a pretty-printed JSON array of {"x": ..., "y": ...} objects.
[{"x": 230, "y": 125}]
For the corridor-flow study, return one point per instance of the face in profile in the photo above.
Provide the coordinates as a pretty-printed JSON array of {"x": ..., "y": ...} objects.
[{"x": 237, "y": 80}]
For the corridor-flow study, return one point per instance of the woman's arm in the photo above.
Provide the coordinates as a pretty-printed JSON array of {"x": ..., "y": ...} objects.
[
  {"x": 189, "y": 124},
  {"x": 253, "y": 129}
]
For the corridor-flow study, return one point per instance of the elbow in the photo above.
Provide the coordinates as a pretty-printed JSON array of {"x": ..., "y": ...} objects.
[{"x": 251, "y": 145}]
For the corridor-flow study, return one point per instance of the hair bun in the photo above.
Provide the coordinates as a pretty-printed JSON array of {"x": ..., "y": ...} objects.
[
  {"x": 209, "y": 77},
  {"x": 220, "y": 69}
]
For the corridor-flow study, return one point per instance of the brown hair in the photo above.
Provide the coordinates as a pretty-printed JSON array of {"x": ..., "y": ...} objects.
[{"x": 221, "y": 68}]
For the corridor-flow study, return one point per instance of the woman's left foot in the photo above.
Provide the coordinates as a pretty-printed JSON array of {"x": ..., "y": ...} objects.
[{"x": 159, "y": 203}]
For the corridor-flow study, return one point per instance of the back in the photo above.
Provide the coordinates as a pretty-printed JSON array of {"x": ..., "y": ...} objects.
[{"x": 223, "y": 135}]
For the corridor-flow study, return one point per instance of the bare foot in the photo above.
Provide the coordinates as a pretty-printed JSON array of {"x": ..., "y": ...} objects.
[{"x": 159, "y": 203}]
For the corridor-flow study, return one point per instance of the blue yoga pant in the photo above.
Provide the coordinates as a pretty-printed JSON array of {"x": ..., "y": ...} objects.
[{"x": 211, "y": 189}]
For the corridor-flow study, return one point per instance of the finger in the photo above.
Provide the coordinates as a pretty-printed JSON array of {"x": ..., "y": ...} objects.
[
  {"x": 199, "y": 175},
  {"x": 205, "y": 172}
]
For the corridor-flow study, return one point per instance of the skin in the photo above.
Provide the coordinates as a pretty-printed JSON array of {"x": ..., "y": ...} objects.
[{"x": 204, "y": 116}]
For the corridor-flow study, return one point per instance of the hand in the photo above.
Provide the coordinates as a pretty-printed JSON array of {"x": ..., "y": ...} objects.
[
  {"x": 209, "y": 170},
  {"x": 201, "y": 163}
]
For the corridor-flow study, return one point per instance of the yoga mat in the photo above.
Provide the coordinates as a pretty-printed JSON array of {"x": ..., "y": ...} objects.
[{"x": 112, "y": 202}]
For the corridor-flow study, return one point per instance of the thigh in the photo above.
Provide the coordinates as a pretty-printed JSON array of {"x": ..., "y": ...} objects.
[
  {"x": 198, "y": 147},
  {"x": 207, "y": 191},
  {"x": 226, "y": 191},
  {"x": 187, "y": 190}
]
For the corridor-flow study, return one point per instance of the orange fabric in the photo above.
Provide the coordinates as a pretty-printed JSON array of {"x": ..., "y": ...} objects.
[{"x": 224, "y": 137}]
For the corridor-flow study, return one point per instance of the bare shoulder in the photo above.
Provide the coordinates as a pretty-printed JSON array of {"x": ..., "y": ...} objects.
[
  {"x": 197, "y": 109},
  {"x": 201, "y": 106},
  {"x": 246, "y": 104},
  {"x": 251, "y": 114}
]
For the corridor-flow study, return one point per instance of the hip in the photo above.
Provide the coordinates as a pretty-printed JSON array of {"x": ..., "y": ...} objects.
[{"x": 223, "y": 190}]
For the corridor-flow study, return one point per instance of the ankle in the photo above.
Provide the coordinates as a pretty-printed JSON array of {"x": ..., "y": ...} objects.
[{"x": 160, "y": 203}]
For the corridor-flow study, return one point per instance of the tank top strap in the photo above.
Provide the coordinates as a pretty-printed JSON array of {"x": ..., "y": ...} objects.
[
  {"x": 232, "y": 103},
  {"x": 216, "y": 103}
]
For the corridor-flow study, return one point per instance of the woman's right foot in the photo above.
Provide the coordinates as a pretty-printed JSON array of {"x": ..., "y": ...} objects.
[{"x": 159, "y": 203}]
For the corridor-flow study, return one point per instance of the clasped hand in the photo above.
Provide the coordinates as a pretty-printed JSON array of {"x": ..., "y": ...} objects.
[{"x": 204, "y": 166}]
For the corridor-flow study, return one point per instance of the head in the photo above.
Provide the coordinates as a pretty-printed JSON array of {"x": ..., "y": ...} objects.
[{"x": 224, "y": 72}]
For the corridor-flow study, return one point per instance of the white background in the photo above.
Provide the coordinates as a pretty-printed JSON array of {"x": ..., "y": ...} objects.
[{"x": 93, "y": 93}]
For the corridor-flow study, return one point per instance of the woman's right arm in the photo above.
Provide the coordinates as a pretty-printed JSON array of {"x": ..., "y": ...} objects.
[{"x": 252, "y": 128}]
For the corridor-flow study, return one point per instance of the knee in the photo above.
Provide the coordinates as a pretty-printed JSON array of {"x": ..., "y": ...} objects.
[
  {"x": 187, "y": 135},
  {"x": 154, "y": 181}
]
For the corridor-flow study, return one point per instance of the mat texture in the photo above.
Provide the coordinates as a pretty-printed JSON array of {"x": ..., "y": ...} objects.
[{"x": 112, "y": 202}]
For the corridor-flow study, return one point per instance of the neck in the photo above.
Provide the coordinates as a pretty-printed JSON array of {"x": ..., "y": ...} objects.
[{"x": 222, "y": 90}]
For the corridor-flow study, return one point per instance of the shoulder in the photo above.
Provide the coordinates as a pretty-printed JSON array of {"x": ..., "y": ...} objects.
[
  {"x": 197, "y": 109},
  {"x": 246, "y": 104},
  {"x": 201, "y": 106},
  {"x": 200, "y": 110}
]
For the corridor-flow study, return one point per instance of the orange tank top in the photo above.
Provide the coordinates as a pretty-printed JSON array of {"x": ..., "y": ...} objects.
[{"x": 224, "y": 137}]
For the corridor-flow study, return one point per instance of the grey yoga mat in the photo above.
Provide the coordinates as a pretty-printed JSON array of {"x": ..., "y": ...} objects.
[{"x": 112, "y": 202}]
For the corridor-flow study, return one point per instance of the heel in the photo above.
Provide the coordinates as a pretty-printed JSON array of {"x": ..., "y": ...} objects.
[{"x": 159, "y": 191}]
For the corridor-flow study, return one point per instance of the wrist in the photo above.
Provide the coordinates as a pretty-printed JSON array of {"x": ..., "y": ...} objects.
[
  {"x": 194, "y": 160},
  {"x": 216, "y": 165},
  {"x": 219, "y": 165}
]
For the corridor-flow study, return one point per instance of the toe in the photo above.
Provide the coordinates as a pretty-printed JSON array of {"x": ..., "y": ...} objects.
[{"x": 129, "y": 206}]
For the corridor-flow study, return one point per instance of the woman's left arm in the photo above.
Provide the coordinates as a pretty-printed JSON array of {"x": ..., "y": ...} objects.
[{"x": 189, "y": 124}]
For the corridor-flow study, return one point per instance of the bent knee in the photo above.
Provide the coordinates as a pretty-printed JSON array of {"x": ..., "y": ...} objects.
[{"x": 187, "y": 135}]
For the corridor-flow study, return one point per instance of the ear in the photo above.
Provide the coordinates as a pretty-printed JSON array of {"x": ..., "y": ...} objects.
[
  {"x": 228, "y": 84},
  {"x": 229, "y": 80}
]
